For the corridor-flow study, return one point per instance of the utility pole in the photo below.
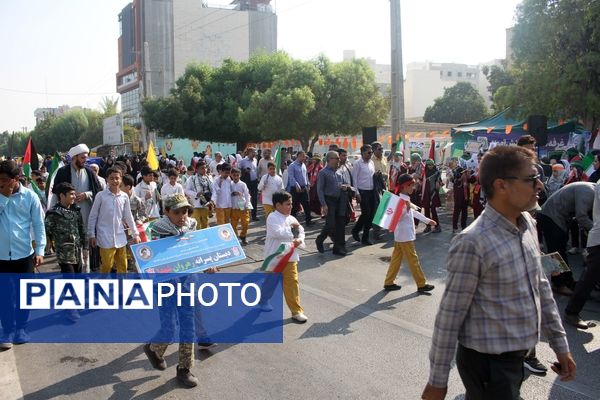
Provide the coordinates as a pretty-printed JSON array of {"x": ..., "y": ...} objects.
[
  {"x": 398, "y": 122},
  {"x": 145, "y": 91}
]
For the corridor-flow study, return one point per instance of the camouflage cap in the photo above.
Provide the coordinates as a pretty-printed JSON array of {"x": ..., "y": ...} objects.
[{"x": 176, "y": 201}]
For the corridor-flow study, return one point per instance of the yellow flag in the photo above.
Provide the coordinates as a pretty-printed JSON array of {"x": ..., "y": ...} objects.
[{"x": 151, "y": 157}]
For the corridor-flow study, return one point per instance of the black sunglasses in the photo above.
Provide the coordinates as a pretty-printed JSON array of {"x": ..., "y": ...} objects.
[{"x": 529, "y": 179}]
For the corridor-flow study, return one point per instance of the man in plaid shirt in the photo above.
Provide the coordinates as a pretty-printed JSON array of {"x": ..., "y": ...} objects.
[{"x": 497, "y": 299}]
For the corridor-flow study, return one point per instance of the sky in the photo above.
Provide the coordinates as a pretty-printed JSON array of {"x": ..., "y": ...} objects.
[{"x": 57, "y": 52}]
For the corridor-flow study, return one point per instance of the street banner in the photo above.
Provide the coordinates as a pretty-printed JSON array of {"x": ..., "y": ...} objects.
[{"x": 192, "y": 252}]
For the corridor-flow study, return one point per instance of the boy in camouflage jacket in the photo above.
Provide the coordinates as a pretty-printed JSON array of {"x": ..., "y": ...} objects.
[{"x": 64, "y": 224}]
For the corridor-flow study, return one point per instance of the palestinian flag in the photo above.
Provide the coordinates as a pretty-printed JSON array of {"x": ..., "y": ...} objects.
[
  {"x": 277, "y": 161},
  {"x": 30, "y": 159},
  {"x": 56, "y": 164},
  {"x": 390, "y": 210},
  {"x": 277, "y": 261}
]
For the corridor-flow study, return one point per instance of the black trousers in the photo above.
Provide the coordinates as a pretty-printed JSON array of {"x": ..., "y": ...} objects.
[
  {"x": 490, "y": 376},
  {"x": 586, "y": 283},
  {"x": 11, "y": 318},
  {"x": 301, "y": 198},
  {"x": 335, "y": 224},
  {"x": 253, "y": 189},
  {"x": 67, "y": 268},
  {"x": 556, "y": 240},
  {"x": 367, "y": 211},
  {"x": 461, "y": 209}
]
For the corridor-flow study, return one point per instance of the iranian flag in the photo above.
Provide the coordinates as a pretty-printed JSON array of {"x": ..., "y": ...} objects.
[
  {"x": 277, "y": 261},
  {"x": 30, "y": 159},
  {"x": 390, "y": 210},
  {"x": 145, "y": 231}
]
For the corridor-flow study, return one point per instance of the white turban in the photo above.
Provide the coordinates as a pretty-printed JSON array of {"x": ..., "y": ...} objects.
[{"x": 76, "y": 150}]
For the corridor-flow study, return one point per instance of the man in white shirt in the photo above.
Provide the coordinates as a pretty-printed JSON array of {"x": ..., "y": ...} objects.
[
  {"x": 263, "y": 164},
  {"x": 214, "y": 163},
  {"x": 362, "y": 176}
]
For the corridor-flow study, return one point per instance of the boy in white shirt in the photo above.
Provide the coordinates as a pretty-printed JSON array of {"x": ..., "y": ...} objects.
[
  {"x": 269, "y": 184},
  {"x": 404, "y": 240},
  {"x": 147, "y": 191},
  {"x": 280, "y": 229},
  {"x": 222, "y": 195},
  {"x": 241, "y": 205},
  {"x": 105, "y": 224},
  {"x": 199, "y": 189},
  {"x": 171, "y": 187}
]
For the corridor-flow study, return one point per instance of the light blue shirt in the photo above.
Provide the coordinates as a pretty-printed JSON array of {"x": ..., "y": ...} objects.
[
  {"x": 20, "y": 214},
  {"x": 296, "y": 176}
]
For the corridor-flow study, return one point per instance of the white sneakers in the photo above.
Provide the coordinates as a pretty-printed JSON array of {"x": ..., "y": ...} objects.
[
  {"x": 300, "y": 317},
  {"x": 6, "y": 345}
]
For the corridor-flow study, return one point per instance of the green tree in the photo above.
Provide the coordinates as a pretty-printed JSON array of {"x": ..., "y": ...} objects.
[
  {"x": 270, "y": 97},
  {"x": 460, "y": 103},
  {"x": 556, "y": 56},
  {"x": 108, "y": 106},
  {"x": 92, "y": 135},
  {"x": 501, "y": 81},
  {"x": 315, "y": 98}
]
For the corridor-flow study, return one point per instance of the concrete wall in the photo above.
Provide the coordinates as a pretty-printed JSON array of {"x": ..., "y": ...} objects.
[
  {"x": 157, "y": 17},
  {"x": 421, "y": 88},
  {"x": 262, "y": 32},
  {"x": 208, "y": 35}
]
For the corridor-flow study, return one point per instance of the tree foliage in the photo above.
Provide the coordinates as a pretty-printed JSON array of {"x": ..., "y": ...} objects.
[
  {"x": 108, "y": 106},
  {"x": 460, "y": 103},
  {"x": 270, "y": 97},
  {"x": 556, "y": 48},
  {"x": 501, "y": 81}
]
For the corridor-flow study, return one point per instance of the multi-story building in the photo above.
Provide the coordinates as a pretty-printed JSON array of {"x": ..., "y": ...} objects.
[
  {"x": 42, "y": 113},
  {"x": 426, "y": 81},
  {"x": 159, "y": 38}
]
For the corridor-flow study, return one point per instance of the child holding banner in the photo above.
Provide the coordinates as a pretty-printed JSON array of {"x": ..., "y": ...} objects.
[
  {"x": 404, "y": 239},
  {"x": 280, "y": 230},
  {"x": 175, "y": 222}
]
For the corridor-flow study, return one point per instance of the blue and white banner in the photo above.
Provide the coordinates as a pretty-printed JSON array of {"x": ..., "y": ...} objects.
[
  {"x": 192, "y": 252},
  {"x": 141, "y": 308}
]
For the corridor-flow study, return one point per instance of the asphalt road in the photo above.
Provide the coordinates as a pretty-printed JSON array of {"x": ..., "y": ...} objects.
[{"x": 359, "y": 342}]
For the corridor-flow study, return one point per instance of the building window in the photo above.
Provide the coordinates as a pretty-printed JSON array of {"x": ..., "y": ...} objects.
[
  {"x": 459, "y": 74},
  {"x": 441, "y": 74},
  {"x": 449, "y": 74}
]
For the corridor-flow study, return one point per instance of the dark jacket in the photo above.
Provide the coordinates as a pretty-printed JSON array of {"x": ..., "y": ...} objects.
[{"x": 64, "y": 175}]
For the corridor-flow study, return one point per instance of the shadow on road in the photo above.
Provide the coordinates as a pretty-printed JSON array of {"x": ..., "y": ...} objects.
[{"x": 341, "y": 324}]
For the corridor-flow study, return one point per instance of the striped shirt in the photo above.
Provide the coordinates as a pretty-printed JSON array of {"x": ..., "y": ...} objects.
[{"x": 497, "y": 298}]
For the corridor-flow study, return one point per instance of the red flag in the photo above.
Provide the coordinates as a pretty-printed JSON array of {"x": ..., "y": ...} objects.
[
  {"x": 432, "y": 150},
  {"x": 30, "y": 159}
]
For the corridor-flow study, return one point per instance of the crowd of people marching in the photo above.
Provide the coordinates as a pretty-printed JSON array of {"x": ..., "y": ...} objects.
[{"x": 93, "y": 211}]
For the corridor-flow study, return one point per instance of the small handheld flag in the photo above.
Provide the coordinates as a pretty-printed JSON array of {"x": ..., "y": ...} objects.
[{"x": 277, "y": 261}]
